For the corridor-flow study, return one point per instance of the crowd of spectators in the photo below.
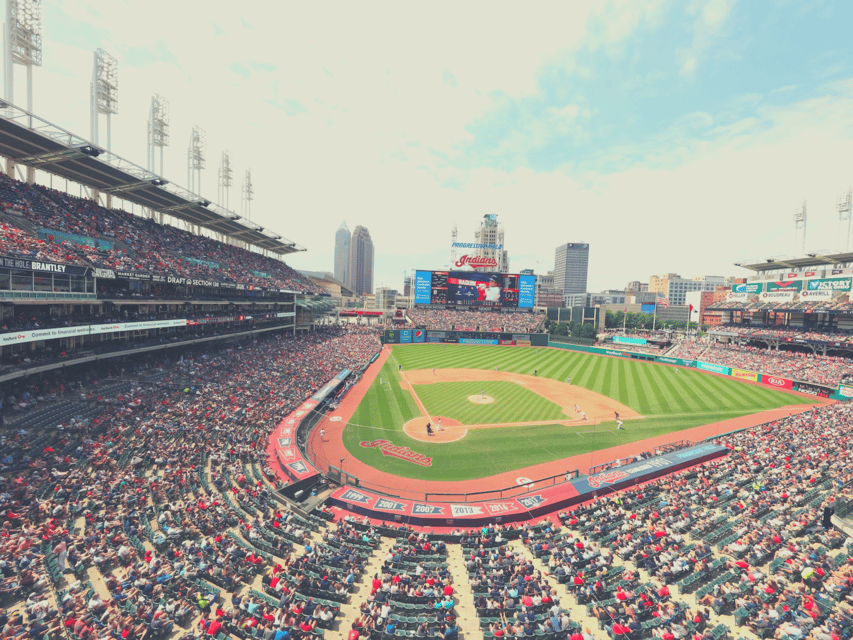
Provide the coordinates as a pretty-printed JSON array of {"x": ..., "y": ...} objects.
[
  {"x": 784, "y": 332},
  {"x": 119, "y": 240},
  {"x": 157, "y": 478},
  {"x": 747, "y": 526},
  {"x": 795, "y": 365},
  {"x": 473, "y": 320}
]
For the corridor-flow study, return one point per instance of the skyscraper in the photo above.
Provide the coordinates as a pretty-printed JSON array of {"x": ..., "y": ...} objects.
[
  {"x": 342, "y": 238},
  {"x": 491, "y": 233},
  {"x": 571, "y": 265},
  {"x": 361, "y": 262}
]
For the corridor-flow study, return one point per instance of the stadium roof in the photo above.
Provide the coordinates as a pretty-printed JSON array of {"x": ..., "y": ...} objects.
[
  {"x": 816, "y": 259},
  {"x": 321, "y": 276},
  {"x": 34, "y": 142}
]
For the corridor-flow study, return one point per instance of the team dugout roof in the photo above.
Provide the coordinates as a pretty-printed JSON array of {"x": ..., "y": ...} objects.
[
  {"x": 34, "y": 142},
  {"x": 818, "y": 259}
]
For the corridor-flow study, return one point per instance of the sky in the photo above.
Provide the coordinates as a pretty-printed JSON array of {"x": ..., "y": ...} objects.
[{"x": 671, "y": 136}]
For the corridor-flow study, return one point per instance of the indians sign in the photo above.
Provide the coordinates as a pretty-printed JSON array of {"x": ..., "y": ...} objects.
[
  {"x": 403, "y": 453},
  {"x": 477, "y": 262}
]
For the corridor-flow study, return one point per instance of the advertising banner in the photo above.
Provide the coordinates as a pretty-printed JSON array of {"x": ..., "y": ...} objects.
[
  {"x": 778, "y": 296},
  {"x": 507, "y": 342},
  {"x": 749, "y": 287},
  {"x": 777, "y": 382},
  {"x": 845, "y": 391},
  {"x": 731, "y": 296},
  {"x": 818, "y": 391},
  {"x": 8, "y": 262},
  {"x": 476, "y": 341},
  {"x": 418, "y": 335},
  {"x": 745, "y": 375},
  {"x": 714, "y": 368},
  {"x": 526, "y": 291},
  {"x": 786, "y": 285},
  {"x": 423, "y": 287},
  {"x": 405, "y": 335},
  {"x": 520, "y": 336},
  {"x": 822, "y": 294},
  {"x": 828, "y": 284},
  {"x": 628, "y": 340},
  {"x": 647, "y": 308},
  {"x": 522, "y": 343}
]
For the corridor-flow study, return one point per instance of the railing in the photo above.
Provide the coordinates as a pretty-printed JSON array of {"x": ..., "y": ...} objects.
[
  {"x": 343, "y": 477},
  {"x": 47, "y": 295},
  {"x": 658, "y": 451}
]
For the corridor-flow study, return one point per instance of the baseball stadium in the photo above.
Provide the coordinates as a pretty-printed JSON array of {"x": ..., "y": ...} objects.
[{"x": 200, "y": 439}]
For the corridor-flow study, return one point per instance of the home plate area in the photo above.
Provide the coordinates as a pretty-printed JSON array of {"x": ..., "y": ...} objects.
[{"x": 450, "y": 430}]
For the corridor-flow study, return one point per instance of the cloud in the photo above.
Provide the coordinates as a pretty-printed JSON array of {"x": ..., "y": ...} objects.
[{"x": 710, "y": 18}]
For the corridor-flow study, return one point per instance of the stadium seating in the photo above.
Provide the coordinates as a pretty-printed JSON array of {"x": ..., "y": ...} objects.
[
  {"x": 471, "y": 320},
  {"x": 40, "y": 223}
]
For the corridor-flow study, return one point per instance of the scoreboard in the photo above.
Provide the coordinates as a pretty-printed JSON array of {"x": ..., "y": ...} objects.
[{"x": 474, "y": 289}]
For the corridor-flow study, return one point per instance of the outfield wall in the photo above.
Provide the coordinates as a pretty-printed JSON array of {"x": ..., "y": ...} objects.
[
  {"x": 808, "y": 388},
  {"x": 536, "y": 503},
  {"x": 497, "y": 338}
]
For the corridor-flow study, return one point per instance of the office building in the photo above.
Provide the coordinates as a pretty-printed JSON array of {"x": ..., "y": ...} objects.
[
  {"x": 361, "y": 262},
  {"x": 571, "y": 265},
  {"x": 675, "y": 288},
  {"x": 493, "y": 256},
  {"x": 342, "y": 240}
]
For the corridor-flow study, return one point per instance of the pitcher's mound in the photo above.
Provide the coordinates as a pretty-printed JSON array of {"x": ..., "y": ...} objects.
[{"x": 481, "y": 399}]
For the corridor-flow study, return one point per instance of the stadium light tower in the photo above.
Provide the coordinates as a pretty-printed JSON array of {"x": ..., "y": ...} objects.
[
  {"x": 248, "y": 194},
  {"x": 103, "y": 96},
  {"x": 226, "y": 176},
  {"x": 21, "y": 45},
  {"x": 158, "y": 130},
  {"x": 845, "y": 200},
  {"x": 196, "y": 159},
  {"x": 800, "y": 219}
]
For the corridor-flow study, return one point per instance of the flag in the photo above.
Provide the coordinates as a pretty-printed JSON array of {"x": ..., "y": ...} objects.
[{"x": 662, "y": 301}]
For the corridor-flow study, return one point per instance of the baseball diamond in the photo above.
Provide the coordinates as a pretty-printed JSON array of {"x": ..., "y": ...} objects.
[{"x": 534, "y": 420}]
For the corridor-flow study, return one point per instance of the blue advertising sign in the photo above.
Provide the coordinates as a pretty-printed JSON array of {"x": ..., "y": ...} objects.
[
  {"x": 627, "y": 340},
  {"x": 423, "y": 287},
  {"x": 476, "y": 341},
  {"x": 647, "y": 308},
  {"x": 406, "y": 335},
  {"x": 713, "y": 368},
  {"x": 418, "y": 335},
  {"x": 526, "y": 291}
]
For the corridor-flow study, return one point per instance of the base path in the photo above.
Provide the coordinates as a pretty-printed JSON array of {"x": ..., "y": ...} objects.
[
  {"x": 331, "y": 451},
  {"x": 597, "y": 407}
]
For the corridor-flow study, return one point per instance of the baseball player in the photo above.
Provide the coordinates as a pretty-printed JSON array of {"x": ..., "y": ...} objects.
[
  {"x": 490, "y": 292},
  {"x": 583, "y": 415},
  {"x": 439, "y": 423},
  {"x": 322, "y": 435},
  {"x": 569, "y": 380},
  {"x": 483, "y": 394},
  {"x": 619, "y": 424}
]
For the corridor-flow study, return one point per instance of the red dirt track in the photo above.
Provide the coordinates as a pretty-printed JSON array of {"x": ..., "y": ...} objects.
[{"x": 333, "y": 449}]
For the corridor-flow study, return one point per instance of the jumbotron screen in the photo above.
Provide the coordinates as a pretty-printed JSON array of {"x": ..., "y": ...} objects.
[{"x": 474, "y": 289}]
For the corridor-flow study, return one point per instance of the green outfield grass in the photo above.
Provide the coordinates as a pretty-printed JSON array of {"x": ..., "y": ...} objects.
[
  {"x": 669, "y": 401},
  {"x": 513, "y": 403}
]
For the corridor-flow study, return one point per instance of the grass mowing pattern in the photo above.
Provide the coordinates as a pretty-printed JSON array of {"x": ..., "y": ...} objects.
[
  {"x": 671, "y": 402},
  {"x": 513, "y": 403}
]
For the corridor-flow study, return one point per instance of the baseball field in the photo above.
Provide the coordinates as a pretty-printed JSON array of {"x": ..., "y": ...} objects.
[{"x": 503, "y": 408}]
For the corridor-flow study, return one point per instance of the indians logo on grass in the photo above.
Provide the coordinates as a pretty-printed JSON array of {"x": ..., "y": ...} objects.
[
  {"x": 608, "y": 477},
  {"x": 403, "y": 453}
]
